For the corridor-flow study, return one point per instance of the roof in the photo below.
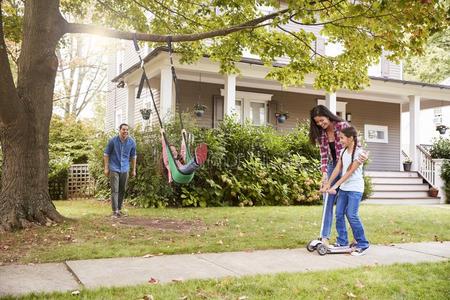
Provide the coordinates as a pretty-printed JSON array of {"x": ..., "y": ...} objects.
[{"x": 256, "y": 61}]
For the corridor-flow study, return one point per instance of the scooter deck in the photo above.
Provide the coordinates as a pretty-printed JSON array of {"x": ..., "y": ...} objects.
[{"x": 339, "y": 250}]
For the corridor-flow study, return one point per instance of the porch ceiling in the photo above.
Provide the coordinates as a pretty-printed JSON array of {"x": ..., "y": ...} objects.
[{"x": 253, "y": 74}]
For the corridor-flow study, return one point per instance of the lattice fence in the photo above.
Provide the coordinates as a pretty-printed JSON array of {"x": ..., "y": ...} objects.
[{"x": 79, "y": 183}]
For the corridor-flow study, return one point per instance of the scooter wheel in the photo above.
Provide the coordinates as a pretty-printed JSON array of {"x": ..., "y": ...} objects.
[
  {"x": 322, "y": 249},
  {"x": 310, "y": 247}
]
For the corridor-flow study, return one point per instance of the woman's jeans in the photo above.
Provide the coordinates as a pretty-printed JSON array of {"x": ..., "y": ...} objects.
[
  {"x": 348, "y": 205},
  {"x": 328, "y": 213}
]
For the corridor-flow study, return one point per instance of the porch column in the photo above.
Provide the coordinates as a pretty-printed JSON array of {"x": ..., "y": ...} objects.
[
  {"x": 414, "y": 130},
  {"x": 229, "y": 94},
  {"x": 131, "y": 105},
  {"x": 330, "y": 102},
  {"x": 166, "y": 104}
]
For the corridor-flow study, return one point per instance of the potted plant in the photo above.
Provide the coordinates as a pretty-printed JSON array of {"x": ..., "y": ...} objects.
[
  {"x": 199, "y": 109},
  {"x": 442, "y": 129},
  {"x": 145, "y": 112},
  {"x": 281, "y": 117},
  {"x": 433, "y": 192},
  {"x": 407, "y": 164}
]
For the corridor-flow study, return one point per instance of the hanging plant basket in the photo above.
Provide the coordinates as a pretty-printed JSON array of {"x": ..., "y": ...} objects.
[
  {"x": 199, "y": 113},
  {"x": 442, "y": 129},
  {"x": 199, "y": 109},
  {"x": 146, "y": 112},
  {"x": 281, "y": 117}
]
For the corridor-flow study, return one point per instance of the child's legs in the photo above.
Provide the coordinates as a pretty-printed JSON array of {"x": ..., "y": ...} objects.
[
  {"x": 341, "y": 209},
  {"x": 354, "y": 199},
  {"x": 328, "y": 215}
]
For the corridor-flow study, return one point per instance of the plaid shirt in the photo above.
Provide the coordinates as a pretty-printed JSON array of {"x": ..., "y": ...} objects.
[{"x": 325, "y": 154}]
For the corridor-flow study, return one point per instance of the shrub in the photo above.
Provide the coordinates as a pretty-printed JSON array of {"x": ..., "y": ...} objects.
[
  {"x": 440, "y": 148},
  {"x": 445, "y": 174},
  {"x": 286, "y": 167}
]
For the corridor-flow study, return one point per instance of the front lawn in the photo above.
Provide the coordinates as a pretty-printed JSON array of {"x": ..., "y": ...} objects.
[
  {"x": 422, "y": 281},
  {"x": 91, "y": 233}
]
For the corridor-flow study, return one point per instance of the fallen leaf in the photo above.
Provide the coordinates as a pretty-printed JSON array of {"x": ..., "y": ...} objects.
[
  {"x": 359, "y": 284},
  {"x": 243, "y": 298},
  {"x": 75, "y": 293},
  {"x": 241, "y": 234},
  {"x": 148, "y": 255},
  {"x": 148, "y": 297},
  {"x": 183, "y": 298},
  {"x": 351, "y": 295},
  {"x": 220, "y": 242},
  {"x": 325, "y": 289},
  {"x": 153, "y": 280}
]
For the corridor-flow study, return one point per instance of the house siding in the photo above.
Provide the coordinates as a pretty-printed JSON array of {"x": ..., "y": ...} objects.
[{"x": 383, "y": 156}]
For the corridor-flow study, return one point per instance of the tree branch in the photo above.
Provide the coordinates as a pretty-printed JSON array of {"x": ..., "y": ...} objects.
[{"x": 99, "y": 30}]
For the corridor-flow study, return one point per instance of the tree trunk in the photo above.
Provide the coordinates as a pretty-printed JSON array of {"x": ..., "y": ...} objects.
[{"x": 24, "y": 196}]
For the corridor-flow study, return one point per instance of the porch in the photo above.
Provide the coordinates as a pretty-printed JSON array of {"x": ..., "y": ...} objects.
[{"x": 374, "y": 111}]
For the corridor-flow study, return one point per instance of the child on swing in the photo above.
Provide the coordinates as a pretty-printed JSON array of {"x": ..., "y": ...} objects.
[
  {"x": 351, "y": 186},
  {"x": 201, "y": 153}
]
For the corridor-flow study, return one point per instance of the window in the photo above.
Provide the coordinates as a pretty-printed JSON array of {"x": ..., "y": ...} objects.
[
  {"x": 375, "y": 133},
  {"x": 251, "y": 106},
  {"x": 341, "y": 108}
]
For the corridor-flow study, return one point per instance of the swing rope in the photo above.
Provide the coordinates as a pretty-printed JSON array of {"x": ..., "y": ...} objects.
[{"x": 176, "y": 174}]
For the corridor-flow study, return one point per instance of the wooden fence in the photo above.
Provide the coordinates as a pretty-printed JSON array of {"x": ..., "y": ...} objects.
[{"x": 79, "y": 183}]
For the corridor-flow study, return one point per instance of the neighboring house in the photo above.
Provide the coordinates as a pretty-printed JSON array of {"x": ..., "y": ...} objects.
[{"x": 375, "y": 112}]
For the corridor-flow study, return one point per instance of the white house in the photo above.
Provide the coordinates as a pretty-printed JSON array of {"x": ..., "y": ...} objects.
[{"x": 376, "y": 111}]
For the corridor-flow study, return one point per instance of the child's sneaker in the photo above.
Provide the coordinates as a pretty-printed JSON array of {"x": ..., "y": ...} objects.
[
  {"x": 201, "y": 153},
  {"x": 359, "y": 251}
]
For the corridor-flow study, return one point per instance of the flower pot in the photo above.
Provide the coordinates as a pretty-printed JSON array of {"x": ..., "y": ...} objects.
[
  {"x": 433, "y": 192},
  {"x": 281, "y": 119},
  {"x": 199, "y": 113},
  {"x": 407, "y": 166}
]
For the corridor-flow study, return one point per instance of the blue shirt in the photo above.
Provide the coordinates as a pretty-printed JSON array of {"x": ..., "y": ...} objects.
[{"x": 120, "y": 154}]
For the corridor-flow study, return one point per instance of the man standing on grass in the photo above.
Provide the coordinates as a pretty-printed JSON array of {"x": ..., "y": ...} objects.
[{"x": 118, "y": 153}]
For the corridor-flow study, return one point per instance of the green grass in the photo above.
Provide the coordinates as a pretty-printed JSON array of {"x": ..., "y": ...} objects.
[
  {"x": 90, "y": 233},
  {"x": 422, "y": 281}
]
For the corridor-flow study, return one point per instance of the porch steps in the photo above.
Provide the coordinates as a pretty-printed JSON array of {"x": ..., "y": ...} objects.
[{"x": 404, "y": 188}]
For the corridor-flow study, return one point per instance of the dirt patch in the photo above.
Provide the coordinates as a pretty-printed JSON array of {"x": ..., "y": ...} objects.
[{"x": 164, "y": 224}]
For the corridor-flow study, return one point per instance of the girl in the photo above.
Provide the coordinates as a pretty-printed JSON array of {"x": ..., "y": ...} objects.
[
  {"x": 324, "y": 130},
  {"x": 351, "y": 186}
]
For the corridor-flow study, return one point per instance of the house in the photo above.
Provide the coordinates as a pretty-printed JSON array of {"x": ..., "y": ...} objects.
[
  {"x": 375, "y": 112},
  {"x": 430, "y": 118}
]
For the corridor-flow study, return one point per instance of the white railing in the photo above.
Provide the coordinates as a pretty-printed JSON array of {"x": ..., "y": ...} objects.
[
  {"x": 430, "y": 169},
  {"x": 426, "y": 166}
]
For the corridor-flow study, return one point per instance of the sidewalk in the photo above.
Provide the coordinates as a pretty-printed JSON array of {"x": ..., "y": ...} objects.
[{"x": 75, "y": 275}]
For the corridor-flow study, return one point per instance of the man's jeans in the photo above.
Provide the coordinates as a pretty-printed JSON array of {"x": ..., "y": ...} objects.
[
  {"x": 348, "y": 205},
  {"x": 328, "y": 213},
  {"x": 118, "y": 186}
]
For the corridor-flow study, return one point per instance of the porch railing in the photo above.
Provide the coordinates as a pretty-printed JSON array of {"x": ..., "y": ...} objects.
[{"x": 426, "y": 166}]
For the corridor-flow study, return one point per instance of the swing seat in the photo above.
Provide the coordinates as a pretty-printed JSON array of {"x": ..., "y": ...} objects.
[{"x": 177, "y": 175}]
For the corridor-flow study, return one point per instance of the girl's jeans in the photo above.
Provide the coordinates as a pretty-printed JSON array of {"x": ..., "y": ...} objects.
[
  {"x": 328, "y": 214},
  {"x": 348, "y": 205}
]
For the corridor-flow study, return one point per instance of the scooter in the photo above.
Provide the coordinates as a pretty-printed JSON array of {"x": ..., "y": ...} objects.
[{"x": 322, "y": 248}]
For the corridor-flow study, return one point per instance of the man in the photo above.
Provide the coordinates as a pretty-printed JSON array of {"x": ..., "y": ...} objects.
[{"x": 118, "y": 153}]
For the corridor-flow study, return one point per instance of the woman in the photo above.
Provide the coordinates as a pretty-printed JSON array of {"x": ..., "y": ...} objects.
[{"x": 325, "y": 129}]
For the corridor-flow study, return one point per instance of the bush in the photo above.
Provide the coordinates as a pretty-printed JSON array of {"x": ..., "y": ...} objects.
[
  {"x": 440, "y": 148},
  {"x": 445, "y": 174},
  {"x": 368, "y": 188},
  {"x": 286, "y": 167}
]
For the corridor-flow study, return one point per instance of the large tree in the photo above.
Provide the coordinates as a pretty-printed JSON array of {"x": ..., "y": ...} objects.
[
  {"x": 222, "y": 29},
  {"x": 433, "y": 66}
]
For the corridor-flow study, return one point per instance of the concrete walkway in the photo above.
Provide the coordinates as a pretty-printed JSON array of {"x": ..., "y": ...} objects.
[{"x": 74, "y": 275}]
